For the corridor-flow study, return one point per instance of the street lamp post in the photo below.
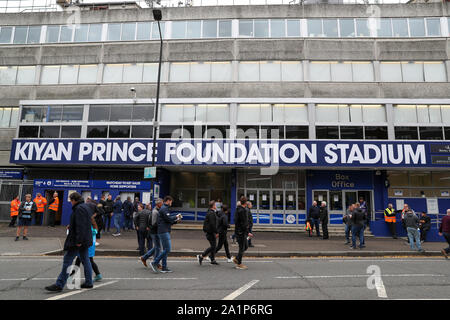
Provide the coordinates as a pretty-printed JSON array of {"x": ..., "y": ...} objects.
[{"x": 157, "y": 15}]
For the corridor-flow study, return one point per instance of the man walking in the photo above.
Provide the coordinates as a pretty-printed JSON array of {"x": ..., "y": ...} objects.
[
  {"x": 314, "y": 217},
  {"x": 53, "y": 207},
  {"x": 165, "y": 222},
  {"x": 78, "y": 241},
  {"x": 348, "y": 222},
  {"x": 14, "y": 211},
  {"x": 241, "y": 227},
  {"x": 153, "y": 226},
  {"x": 128, "y": 210},
  {"x": 210, "y": 225},
  {"x": 222, "y": 229},
  {"x": 27, "y": 210},
  {"x": 117, "y": 211},
  {"x": 141, "y": 221},
  {"x": 41, "y": 202},
  {"x": 108, "y": 207},
  {"x": 323, "y": 216},
  {"x": 390, "y": 219},
  {"x": 412, "y": 227},
  {"x": 444, "y": 230},
  {"x": 250, "y": 222}
]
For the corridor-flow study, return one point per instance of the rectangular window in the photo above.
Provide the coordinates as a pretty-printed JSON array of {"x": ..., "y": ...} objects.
[
  {"x": 245, "y": 28},
  {"x": 132, "y": 73},
  {"x": 362, "y": 28},
  {"x": 247, "y": 132},
  {"x": 272, "y": 132},
  {"x": 277, "y": 28},
  {"x": 5, "y": 117},
  {"x": 200, "y": 72},
  {"x": 375, "y": 133},
  {"x": 70, "y": 131},
  {"x": 290, "y": 113},
  {"x": 179, "y": 72},
  {"x": 112, "y": 73},
  {"x": 150, "y": 72},
  {"x": 50, "y": 74},
  {"x": 297, "y": 132},
  {"x": 87, "y": 74},
  {"x": 52, "y": 34},
  {"x": 319, "y": 71},
  {"x": 433, "y": 27},
  {"x": 248, "y": 71},
  {"x": 28, "y": 131},
  {"x": 143, "y": 113},
  {"x": 405, "y": 114},
  {"x": 32, "y": 114},
  {"x": 341, "y": 72},
  {"x": 431, "y": 133},
  {"x": 97, "y": 132},
  {"x": 406, "y": 133},
  {"x": 225, "y": 28},
  {"x": 194, "y": 29},
  {"x": 68, "y": 74},
  {"x": 434, "y": 112},
  {"x": 172, "y": 112},
  {"x": 385, "y": 27},
  {"x": 49, "y": 132},
  {"x": 114, "y": 30},
  {"x": 66, "y": 34},
  {"x": 81, "y": 33},
  {"x": 254, "y": 113},
  {"x": 99, "y": 113},
  {"x": 353, "y": 133},
  {"x": 20, "y": 35},
  {"x": 347, "y": 27},
  {"x": 8, "y": 75},
  {"x": 417, "y": 27},
  {"x": 34, "y": 34},
  {"x": 53, "y": 113},
  {"x": 445, "y": 113},
  {"x": 121, "y": 113},
  {"x": 374, "y": 113},
  {"x": 72, "y": 113},
  {"x": 143, "y": 30},
  {"x": 291, "y": 71},
  {"x": 270, "y": 71},
  {"x": 209, "y": 29},
  {"x": 330, "y": 28},
  {"x": 400, "y": 27},
  {"x": 178, "y": 29},
  {"x": 412, "y": 71},
  {"x": 315, "y": 28},
  {"x": 170, "y": 132},
  {"x": 362, "y": 71},
  {"x": 218, "y": 132},
  {"x": 390, "y": 72},
  {"x": 5, "y": 34},
  {"x": 119, "y": 131},
  {"x": 14, "y": 117},
  {"x": 141, "y": 132},
  {"x": 327, "y": 113},
  {"x": 261, "y": 28},
  {"x": 95, "y": 32},
  {"x": 293, "y": 28},
  {"x": 434, "y": 71},
  {"x": 128, "y": 31},
  {"x": 25, "y": 75},
  {"x": 221, "y": 71},
  {"x": 327, "y": 132},
  {"x": 155, "y": 29}
]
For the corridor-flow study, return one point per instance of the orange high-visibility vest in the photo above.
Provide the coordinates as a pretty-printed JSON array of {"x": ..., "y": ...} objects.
[
  {"x": 41, "y": 202},
  {"x": 55, "y": 205},
  {"x": 387, "y": 218},
  {"x": 15, "y": 204}
]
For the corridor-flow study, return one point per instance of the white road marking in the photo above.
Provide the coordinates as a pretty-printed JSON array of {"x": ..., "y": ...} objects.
[
  {"x": 21, "y": 279},
  {"x": 65, "y": 295},
  {"x": 361, "y": 276},
  {"x": 389, "y": 260},
  {"x": 241, "y": 290}
]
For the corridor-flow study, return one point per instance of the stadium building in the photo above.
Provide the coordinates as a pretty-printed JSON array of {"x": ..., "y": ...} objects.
[{"x": 285, "y": 104}]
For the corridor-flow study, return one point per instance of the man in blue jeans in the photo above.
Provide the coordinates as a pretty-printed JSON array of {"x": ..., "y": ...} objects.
[
  {"x": 314, "y": 216},
  {"x": 78, "y": 241},
  {"x": 357, "y": 218},
  {"x": 165, "y": 222},
  {"x": 153, "y": 230}
]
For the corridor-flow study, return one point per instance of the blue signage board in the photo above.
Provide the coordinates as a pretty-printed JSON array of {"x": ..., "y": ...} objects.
[
  {"x": 93, "y": 184},
  {"x": 292, "y": 153},
  {"x": 340, "y": 180},
  {"x": 130, "y": 185},
  {"x": 11, "y": 174}
]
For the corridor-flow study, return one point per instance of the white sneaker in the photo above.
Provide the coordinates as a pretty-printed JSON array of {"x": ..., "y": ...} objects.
[
  {"x": 208, "y": 259},
  {"x": 116, "y": 234},
  {"x": 97, "y": 244},
  {"x": 230, "y": 260}
]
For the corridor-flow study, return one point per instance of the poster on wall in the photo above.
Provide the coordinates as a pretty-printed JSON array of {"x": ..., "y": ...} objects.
[
  {"x": 432, "y": 205},
  {"x": 399, "y": 203},
  {"x": 146, "y": 197}
]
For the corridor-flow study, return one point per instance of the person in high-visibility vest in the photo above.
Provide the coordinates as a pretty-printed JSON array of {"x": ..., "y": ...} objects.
[
  {"x": 15, "y": 204},
  {"x": 41, "y": 202},
  {"x": 53, "y": 207},
  {"x": 389, "y": 218}
]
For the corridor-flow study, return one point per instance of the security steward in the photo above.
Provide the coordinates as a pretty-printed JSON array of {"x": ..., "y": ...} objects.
[
  {"x": 15, "y": 204},
  {"x": 53, "y": 208},
  {"x": 389, "y": 218},
  {"x": 41, "y": 202}
]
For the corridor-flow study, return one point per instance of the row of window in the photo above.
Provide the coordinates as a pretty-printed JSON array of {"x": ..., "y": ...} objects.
[
  {"x": 8, "y": 117},
  {"x": 248, "y": 71},
  {"x": 207, "y": 29},
  {"x": 241, "y": 132},
  {"x": 246, "y": 113}
]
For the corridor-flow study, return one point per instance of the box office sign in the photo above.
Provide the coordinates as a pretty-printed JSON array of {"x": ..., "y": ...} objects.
[{"x": 227, "y": 153}]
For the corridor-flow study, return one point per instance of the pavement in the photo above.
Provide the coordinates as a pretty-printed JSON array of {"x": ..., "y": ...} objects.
[
  {"x": 266, "y": 279},
  {"x": 189, "y": 241}
]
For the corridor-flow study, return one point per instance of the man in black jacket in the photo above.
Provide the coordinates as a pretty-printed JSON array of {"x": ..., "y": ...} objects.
[
  {"x": 141, "y": 221},
  {"x": 241, "y": 227},
  {"x": 78, "y": 241},
  {"x": 424, "y": 225},
  {"x": 323, "y": 216},
  {"x": 358, "y": 218},
  {"x": 250, "y": 222},
  {"x": 224, "y": 225},
  {"x": 108, "y": 206},
  {"x": 314, "y": 217},
  {"x": 210, "y": 228}
]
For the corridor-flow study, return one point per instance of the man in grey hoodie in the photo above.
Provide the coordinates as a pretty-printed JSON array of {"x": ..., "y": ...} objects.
[{"x": 412, "y": 226}]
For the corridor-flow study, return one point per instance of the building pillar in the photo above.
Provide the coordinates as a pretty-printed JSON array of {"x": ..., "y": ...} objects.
[{"x": 233, "y": 194}]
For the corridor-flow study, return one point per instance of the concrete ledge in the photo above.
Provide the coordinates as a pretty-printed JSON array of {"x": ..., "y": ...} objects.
[{"x": 275, "y": 254}]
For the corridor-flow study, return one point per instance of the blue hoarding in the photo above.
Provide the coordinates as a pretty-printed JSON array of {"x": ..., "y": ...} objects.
[
  {"x": 293, "y": 153},
  {"x": 11, "y": 174}
]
